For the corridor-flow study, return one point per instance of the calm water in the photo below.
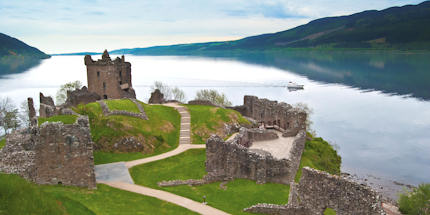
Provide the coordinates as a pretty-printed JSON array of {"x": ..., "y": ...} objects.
[{"x": 373, "y": 108}]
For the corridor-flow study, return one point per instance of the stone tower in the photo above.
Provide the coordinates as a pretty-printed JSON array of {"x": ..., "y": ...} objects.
[{"x": 111, "y": 79}]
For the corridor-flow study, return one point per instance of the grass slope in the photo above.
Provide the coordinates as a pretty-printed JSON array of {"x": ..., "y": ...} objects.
[
  {"x": 239, "y": 194},
  {"x": 17, "y": 196},
  {"x": 66, "y": 119},
  {"x": 320, "y": 155},
  {"x": 159, "y": 134},
  {"x": 207, "y": 120},
  {"x": 122, "y": 104}
]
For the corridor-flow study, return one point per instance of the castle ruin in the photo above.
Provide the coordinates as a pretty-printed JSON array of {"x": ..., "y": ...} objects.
[{"x": 111, "y": 79}]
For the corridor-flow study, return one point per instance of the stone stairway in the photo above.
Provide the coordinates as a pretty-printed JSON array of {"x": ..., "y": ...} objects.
[{"x": 185, "y": 132}]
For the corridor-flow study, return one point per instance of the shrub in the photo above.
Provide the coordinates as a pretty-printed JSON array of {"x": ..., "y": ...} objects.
[
  {"x": 213, "y": 96},
  {"x": 416, "y": 202},
  {"x": 62, "y": 92},
  {"x": 169, "y": 93}
]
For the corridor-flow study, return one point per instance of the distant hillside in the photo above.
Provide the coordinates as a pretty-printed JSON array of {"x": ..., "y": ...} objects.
[
  {"x": 16, "y": 56},
  {"x": 398, "y": 28}
]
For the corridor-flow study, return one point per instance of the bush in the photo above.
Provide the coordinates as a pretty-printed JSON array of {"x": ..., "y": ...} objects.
[
  {"x": 416, "y": 202},
  {"x": 213, "y": 96}
]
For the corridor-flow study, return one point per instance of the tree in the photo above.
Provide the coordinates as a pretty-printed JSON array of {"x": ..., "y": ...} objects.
[
  {"x": 62, "y": 92},
  {"x": 168, "y": 92},
  {"x": 8, "y": 115},
  {"x": 178, "y": 94},
  {"x": 164, "y": 89},
  {"x": 304, "y": 107},
  {"x": 213, "y": 96},
  {"x": 23, "y": 114}
]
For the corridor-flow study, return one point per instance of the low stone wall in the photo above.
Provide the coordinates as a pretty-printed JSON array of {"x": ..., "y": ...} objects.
[
  {"x": 53, "y": 153},
  {"x": 80, "y": 96},
  {"x": 233, "y": 160},
  {"x": 107, "y": 112}
]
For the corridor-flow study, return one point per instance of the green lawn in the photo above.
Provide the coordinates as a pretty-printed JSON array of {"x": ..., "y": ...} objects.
[
  {"x": 17, "y": 196},
  {"x": 319, "y": 154},
  {"x": 122, "y": 104},
  {"x": 206, "y": 120},
  {"x": 159, "y": 134},
  {"x": 239, "y": 194},
  {"x": 66, "y": 119},
  {"x": 111, "y": 201},
  {"x": 2, "y": 142}
]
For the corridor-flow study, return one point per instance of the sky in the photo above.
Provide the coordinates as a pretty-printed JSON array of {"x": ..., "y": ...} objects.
[{"x": 65, "y": 26}]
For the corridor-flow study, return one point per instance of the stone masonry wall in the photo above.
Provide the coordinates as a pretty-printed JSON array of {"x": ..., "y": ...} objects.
[
  {"x": 53, "y": 153},
  {"x": 319, "y": 190},
  {"x": 232, "y": 160},
  {"x": 273, "y": 114}
]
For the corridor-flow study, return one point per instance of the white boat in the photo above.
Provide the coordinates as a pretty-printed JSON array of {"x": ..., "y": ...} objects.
[{"x": 292, "y": 85}]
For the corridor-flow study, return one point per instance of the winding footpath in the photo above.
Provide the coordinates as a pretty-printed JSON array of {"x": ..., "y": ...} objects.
[{"x": 117, "y": 174}]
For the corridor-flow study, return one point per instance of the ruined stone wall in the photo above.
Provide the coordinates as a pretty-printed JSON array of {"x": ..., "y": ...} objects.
[
  {"x": 109, "y": 79},
  {"x": 233, "y": 160},
  {"x": 80, "y": 96},
  {"x": 53, "y": 153},
  {"x": 47, "y": 107},
  {"x": 247, "y": 136},
  {"x": 271, "y": 113},
  {"x": 319, "y": 190}
]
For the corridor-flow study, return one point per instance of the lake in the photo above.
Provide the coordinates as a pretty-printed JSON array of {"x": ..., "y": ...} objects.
[{"x": 374, "y": 108}]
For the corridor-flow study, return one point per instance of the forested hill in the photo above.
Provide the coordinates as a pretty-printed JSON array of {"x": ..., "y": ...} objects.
[
  {"x": 16, "y": 56},
  {"x": 404, "y": 28}
]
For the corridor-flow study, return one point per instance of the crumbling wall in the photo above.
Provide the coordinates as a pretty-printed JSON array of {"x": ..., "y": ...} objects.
[
  {"x": 273, "y": 114},
  {"x": 53, "y": 153},
  {"x": 319, "y": 190},
  {"x": 232, "y": 159},
  {"x": 47, "y": 107},
  {"x": 156, "y": 97},
  {"x": 80, "y": 96}
]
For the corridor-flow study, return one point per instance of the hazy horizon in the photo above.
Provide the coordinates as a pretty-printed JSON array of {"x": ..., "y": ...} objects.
[{"x": 63, "y": 26}]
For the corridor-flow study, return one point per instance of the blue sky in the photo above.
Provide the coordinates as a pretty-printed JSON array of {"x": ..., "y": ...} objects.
[{"x": 93, "y": 25}]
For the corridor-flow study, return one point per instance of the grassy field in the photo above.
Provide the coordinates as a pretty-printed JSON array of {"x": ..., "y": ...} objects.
[
  {"x": 239, "y": 194},
  {"x": 66, "y": 119},
  {"x": 159, "y": 134},
  {"x": 17, "y": 196},
  {"x": 207, "y": 120},
  {"x": 123, "y": 104},
  {"x": 319, "y": 154},
  {"x": 2, "y": 142}
]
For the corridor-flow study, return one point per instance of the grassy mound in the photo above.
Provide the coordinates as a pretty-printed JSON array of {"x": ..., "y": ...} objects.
[
  {"x": 66, "y": 119},
  {"x": 320, "y": 155},
  {"x": 2, "y": 142},
  {"x": 239, "y": 194},
  {"x": 158, "y": 134},
  {"x": 207, "y": 120},
  {"x": 122, "y": 104},
  {"x": 17, "y": 196}
]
